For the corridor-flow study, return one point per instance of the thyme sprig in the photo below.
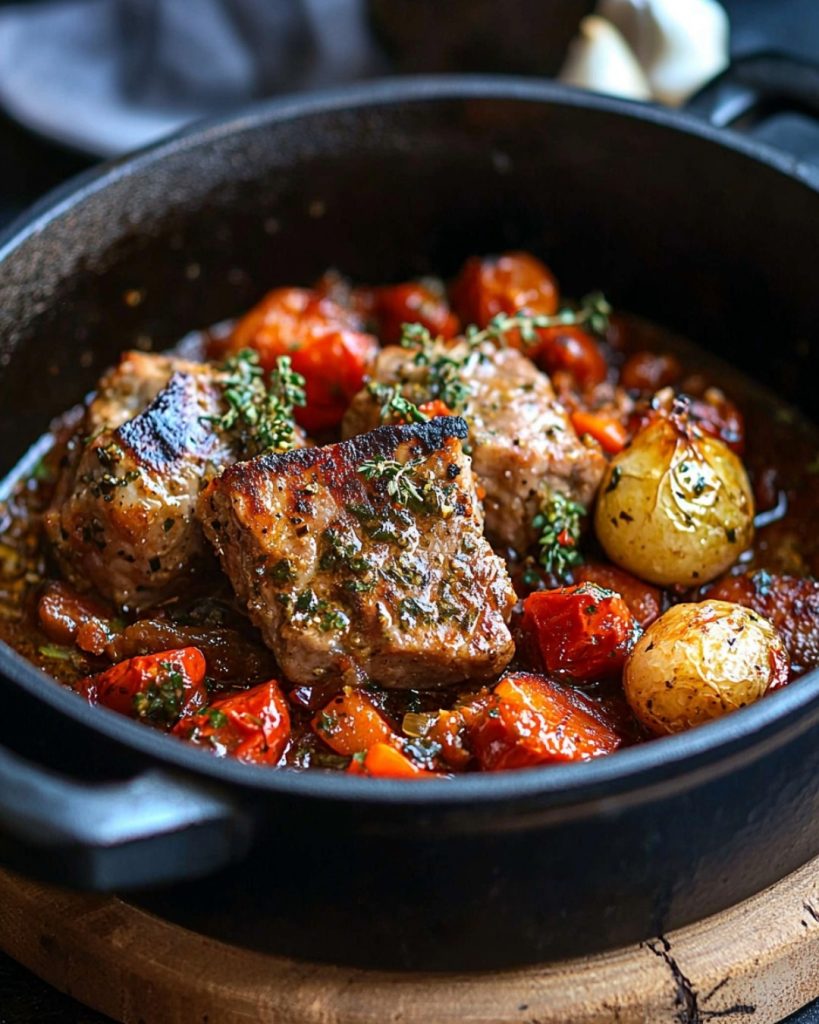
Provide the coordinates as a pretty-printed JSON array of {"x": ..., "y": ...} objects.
[
  {"x": 592, "y": 312},
  {"x": 397, "y": 478},
  {"x": 449, "y": 368},
  {"x": 558, "y": 524},
  {"x": 447, "y": 372},
  {"x": 260, "y": 416},
  {"x": 394, "y": 406}
]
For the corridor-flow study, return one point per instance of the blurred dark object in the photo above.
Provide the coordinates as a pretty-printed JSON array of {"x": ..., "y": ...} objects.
[
  {"x": 790, "y": 26},
  {"x": 524, "y": 37},
  {"x": 106, "y": 76},
  {"x": 211, "y": 53},
  {"x": 774, "y": 96},
  {"x": 31, "y": 167},
  {"x": 24, "y": 999}
]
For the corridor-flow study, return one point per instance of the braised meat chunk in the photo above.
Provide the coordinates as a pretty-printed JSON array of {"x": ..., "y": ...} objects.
[
  {"x": 366, "y": 555},
  {"x": 522, "y": 442},
  {"x": 122, "y": 518}
]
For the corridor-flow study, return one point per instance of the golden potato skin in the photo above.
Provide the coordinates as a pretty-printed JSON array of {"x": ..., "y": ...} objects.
[
  {"x": 700, "y": 661},
  {"x": 675, "y": 507}
]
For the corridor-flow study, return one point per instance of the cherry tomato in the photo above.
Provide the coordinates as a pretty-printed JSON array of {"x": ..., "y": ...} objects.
[
  {"x": 503, "y": 284},
  {"x": 650, "y": 371},
  {"x": 531, "y": 721},
  {"x": 334, "y": 365},
  {"x": 325, "y": 344},
  {"x": 160, "y": 688},
  {"x": 412, "y": 303},
  {"x": 608, "y": 430},
  {"x": 253, "y": 726},
  {"x": 351, "y": 723},
  {"x": 383, "y": 761},
  {"x": 583, "y": 631},
  {"x": 642, "y": 600},
  {"x": 572, "y": 350}
]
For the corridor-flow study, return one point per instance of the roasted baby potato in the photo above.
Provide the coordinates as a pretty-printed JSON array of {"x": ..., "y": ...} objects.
[
  {"x": 700, "y": 661},
  {"x": 675, "y": 507}
]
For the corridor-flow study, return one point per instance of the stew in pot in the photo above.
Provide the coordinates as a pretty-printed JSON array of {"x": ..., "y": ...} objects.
[{"x": 415, "y": 530}]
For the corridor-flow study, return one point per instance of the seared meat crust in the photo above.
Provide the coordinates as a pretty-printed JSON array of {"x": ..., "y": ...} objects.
[
  {"x": 122, "y": 519},
  {"x": 388, "y": 576},
  {"x": 522, "y": 442}
]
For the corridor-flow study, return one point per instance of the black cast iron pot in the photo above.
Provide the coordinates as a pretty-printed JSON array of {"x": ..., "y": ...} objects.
[{"x": 710, "y": 234}]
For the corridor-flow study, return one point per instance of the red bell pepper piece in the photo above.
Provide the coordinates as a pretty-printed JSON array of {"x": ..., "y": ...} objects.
[
  {"x": 530, "y": 721},
  {"x": 160, "y": 688},
  {"x": 252, "y": 725},
  {"x": 584, "y": 632}
]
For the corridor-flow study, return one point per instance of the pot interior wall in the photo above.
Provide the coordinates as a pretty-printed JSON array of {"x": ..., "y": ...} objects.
[{"x": 701, "y": 238}]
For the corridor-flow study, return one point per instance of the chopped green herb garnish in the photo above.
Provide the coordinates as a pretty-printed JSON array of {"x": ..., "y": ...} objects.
[
  {"x": 394, "y": 406},
  {"x": 593, "y": 312},
  {"x": 558, "y": 524},
  {"x": 333, "y": 619},
  {"x": 415, "y": 609},
  {"x": 218, "y": 719},
  {"x": 260, "y": 416},
  {"x": 283, "y": 571},
  {"x": 162, "y": 700},
  {"x": 57, "y": 652},
  {"x": 327, "y": 722}
]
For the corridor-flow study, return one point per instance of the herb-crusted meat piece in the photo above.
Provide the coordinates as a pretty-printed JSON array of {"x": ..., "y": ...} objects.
[
  {"x": 367, "y": 554},
  {"x": 122, "y": 519},
  {"x": 522, "y": 442}
]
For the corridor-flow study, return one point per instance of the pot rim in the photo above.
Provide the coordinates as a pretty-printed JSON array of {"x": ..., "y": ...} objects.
[{"x": 741, "y": 734}]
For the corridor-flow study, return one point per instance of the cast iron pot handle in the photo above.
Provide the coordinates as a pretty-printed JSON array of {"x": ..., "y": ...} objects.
[
  {"x": 752, "y": 83},
  {"x": 151, "y": 829}
]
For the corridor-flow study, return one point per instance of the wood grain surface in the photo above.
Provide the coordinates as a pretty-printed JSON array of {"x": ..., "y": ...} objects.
[{"x": 755, "y": 963}]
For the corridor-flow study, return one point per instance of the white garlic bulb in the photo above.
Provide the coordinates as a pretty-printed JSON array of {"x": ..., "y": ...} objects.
[
  {"x": 679, "y": 44},
  {"x": 600, "y": 59}
]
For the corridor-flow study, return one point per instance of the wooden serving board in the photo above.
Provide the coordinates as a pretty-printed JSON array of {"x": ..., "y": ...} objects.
[{"x": 755, "y": 963}]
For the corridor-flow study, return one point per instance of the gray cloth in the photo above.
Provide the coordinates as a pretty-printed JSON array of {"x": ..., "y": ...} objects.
[{"x": 105, "y": 76}]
